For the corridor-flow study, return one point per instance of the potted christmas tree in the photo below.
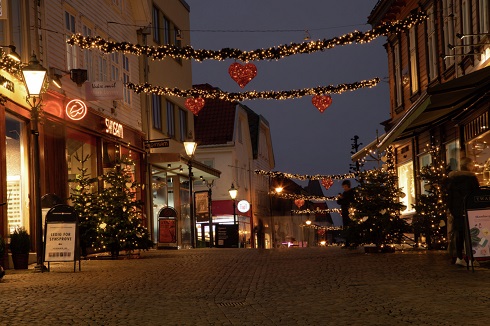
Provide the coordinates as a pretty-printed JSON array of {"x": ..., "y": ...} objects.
[{"x": 20, "y": 245}]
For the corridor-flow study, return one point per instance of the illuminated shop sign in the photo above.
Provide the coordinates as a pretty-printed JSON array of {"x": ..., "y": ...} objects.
[
  {"x": 76, "y": 110},
  {"x": 114, "y": 128}
]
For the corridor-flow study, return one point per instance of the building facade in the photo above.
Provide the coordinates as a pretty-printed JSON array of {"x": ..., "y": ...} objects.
[{"x": 439, "y": 77}]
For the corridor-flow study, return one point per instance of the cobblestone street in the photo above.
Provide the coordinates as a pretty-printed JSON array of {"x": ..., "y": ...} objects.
[{"x": 300, "y": 286}]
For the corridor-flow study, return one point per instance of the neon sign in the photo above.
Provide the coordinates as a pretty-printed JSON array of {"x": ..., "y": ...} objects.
[
  {"x": 114, "y": 128},
  {"x": 76, "y": 110}
]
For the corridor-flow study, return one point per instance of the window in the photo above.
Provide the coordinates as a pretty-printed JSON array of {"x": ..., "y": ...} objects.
[
  {"x": 81, "y": 153},
  {"x": 406, "y": 183},
  {"x": 170, "y": 119},
  {"x": 239, "y": 131},
  {"x": 478, "y": 150},
  {"x": 414, "y": 74},
  {"x": 431, "y": 44},
  {"x": 398, "y": 74},
  {"x": 484, "y": 16},
  {"x": 156, "y": 107},
  {"x": 102, "y": 68},
  {"x": 183, "y": 124},
  {"x": 125, "y": 68},
  {"x": 166, "y": 26},
  {"x": 466, "y": 21},
  {"x": 114, "y": 66},
  {"x": 424, "y": 160},
  {"x": 87, "y": 54},
  {"x": 452, "y": 155},
  {"x": 71, "y": 51},
  {"x": 156, "y": 25},
  {"x": 448, "y": 29}
]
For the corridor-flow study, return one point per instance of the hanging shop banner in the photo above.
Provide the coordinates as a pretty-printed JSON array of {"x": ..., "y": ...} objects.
[
  {"x": 202, "y": 206},
  {"x": 477, "y": 240},
  {"x": 60, "y": 237},
  {"x": 104, "y": 90}
]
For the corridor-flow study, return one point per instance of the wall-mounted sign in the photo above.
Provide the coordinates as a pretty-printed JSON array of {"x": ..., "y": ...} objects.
[
  {"x": 76, "y": 110},
  {"x": 114, "y": 128},
  {"x": 243, "y": 206},
  {"x": 104, "y": 90}
]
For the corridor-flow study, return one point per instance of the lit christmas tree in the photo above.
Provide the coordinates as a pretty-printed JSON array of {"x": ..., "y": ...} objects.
[
  {"x": 376, "y": 208},
  {"x": 82, "y": 199},
  {"x": 430, "y": 218},
  {"x": 120, "y": 216}
]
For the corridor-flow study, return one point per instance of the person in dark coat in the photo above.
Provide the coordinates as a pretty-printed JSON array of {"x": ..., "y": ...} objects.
[
  {"x": 345, "y": 199},
  {"x": 460, "y": 184}
]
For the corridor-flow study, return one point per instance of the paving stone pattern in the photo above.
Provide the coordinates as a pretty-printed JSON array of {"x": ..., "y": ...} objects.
[{"x": 296, "y": 286}]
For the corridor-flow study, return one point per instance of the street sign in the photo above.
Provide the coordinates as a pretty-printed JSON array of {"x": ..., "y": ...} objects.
[{"x": 158, "y": 144}]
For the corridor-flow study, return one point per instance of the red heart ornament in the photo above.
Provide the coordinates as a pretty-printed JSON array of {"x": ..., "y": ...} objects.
[
  {"x": 322, "y": 102},
  {"x": 327, "y": 183},
  {"x": 194, "y": 104},
  {"x": 299, "y": 202},
  {"x": 242, "y": 74}
]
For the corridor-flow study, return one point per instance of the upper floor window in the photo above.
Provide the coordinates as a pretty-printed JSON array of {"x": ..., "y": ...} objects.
[
  {"x": 448, "y": 28},
  {"x": 126, "y": 74},
  {"x": 170, "y": 119},
  {"x": 431, "y": 45},
  {"x": 115, "y": 66},
  {"x": 156, "y": 108},
  {"x": 183, "y": 124},
  {"x": 466, "y": 22},
  {"x": 239, "y": 131},
  {"x": 87, "y": 54},
  {"x": 484, "y": 16},
  {"x": 398, "y": 74},
  {"x": 414, "y": 72},
  {"x": 102, "y": 67},
  {"x": 156, "y": 25},
  {"x": 71, "y": 51}
]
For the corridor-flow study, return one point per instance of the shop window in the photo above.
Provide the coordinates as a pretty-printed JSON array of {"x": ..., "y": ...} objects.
[
  {"x": 81, "y": 152},
  {"x": 424, "y": 160},
  {"x": 452, "y": 155},
  {"x": 17, "y": 164},
  {"x": 478, "y": 150},
  {"x": 406, "y": 183}
]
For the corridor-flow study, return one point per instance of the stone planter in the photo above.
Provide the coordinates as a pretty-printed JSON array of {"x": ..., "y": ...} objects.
[{"x": 21, "y": 261}]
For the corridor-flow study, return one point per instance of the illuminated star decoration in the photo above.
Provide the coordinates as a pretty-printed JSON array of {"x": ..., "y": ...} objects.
[{"x": 272, "y": 53}]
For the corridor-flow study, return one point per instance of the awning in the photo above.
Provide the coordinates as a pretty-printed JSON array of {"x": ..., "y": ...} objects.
[
  {"x": 176, "y": 164},
  {"x": 439, "y": 103}
]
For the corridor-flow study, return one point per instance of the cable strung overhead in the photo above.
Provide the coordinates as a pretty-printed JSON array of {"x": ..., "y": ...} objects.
[
  {"x": 272, "y": 53},
  {"x": 251, "y": 95}
]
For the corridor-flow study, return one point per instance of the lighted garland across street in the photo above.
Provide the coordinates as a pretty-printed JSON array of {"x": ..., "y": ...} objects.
[
  {"x": 272, "y": 53},
  {"x": 318, "y": 227},
  {"x": 251, "y": 95},
  {"x": 316, "y": 211},
  {"x": 274, "y": 174},
  {"x": 303, "y": 197}
]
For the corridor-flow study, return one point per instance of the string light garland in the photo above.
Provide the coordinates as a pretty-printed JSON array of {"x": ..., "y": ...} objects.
[
  {"x": 302, "y": 197},
  {"x": 250, "y": 95},
  {"x": 11, "y": 66},
  {"x": 275, "y": 174},
  {"x": 318, "y": 227},
  {"x": 316, "y": 211},
  {"x": 272, "y": 53}
]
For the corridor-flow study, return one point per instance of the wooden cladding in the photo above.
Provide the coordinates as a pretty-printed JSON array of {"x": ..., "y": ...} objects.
[{"x": 476, "y": 127}]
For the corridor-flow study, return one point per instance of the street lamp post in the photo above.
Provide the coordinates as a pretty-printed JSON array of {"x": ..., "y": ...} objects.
[
  {"x": 233, "y": 193},
  {"x": 190, "y": 149},
  {"x": 34, "y": 77}
]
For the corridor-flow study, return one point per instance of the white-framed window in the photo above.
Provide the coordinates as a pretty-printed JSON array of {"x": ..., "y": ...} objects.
[
  {"x": 156, "y": 109},
  {"x": 398, "y": 74},
  {"x": 102, "y": 67},
  {"x": 431, "y": 44},
  {"x": 87, "y": 54},
  {"x": 448, "y": 28},
  {"x": 406, "y": 183},
  {"x": 412, "y": 48},
  {"x": 114, "y": 66},
  {"x": 71, "y": 51},
  {"x": 126, "y": 74},
  {"x": 156, "y": 25},
  {"x": 484, "y": 16}
]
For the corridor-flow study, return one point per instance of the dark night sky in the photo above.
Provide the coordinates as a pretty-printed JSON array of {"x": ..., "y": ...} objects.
[{"x": 305, "y": 141}]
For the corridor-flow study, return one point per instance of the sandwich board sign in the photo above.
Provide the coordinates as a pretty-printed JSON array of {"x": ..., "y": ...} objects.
[
  {"x": 61, "y": 235},
  {"x": 477, "y": 224}
]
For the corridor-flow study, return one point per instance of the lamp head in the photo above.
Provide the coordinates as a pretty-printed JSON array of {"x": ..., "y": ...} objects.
[
  {"x": 190, "y": 148},
  {"x": 233, "y": 191},
  {"x": 34, "y": 76}
]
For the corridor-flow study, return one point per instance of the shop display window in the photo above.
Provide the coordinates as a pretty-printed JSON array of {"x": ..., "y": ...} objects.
[
  {"x": 406, "y": 183},
  {"x": 17, "y": 164},
  {"x": 452, "y": 155},
  {"x": 424, "y": 160},
  {"x": 478, "y": 150},
  {"x": 81, "y": 153}
]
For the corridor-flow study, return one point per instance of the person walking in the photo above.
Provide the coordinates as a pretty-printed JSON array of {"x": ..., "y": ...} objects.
[
  {"x": 345, "y": 199},
  {"x": 460, "y": 184}
]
